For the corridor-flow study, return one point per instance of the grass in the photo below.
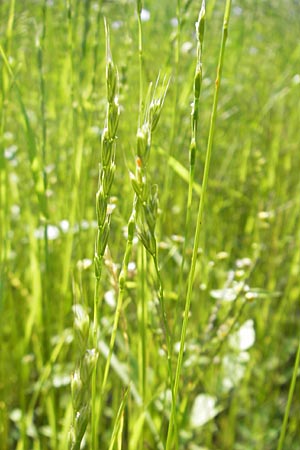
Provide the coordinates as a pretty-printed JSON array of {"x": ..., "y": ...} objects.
[{"x": 166, "y": 316}]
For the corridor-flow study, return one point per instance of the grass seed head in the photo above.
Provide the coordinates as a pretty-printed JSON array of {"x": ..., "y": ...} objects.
[
  {"x": 81, "y": 326},
  {"x": 135, "y": 184},
  {"x": 88, "y": 364},
  {"x": 148, "y": 240},
  {"x": 76, "y": 390},
  {"x": 101, "y": 206},
  {"x": 106, "y": 150},
  {"x": 111, "y": 71},
  {"x": 81, "y": 421},
  {"x": 200, "y": 24},
  {"x": 143, "y": 143},
  {"x": 157, "y": 101},
  {"x": 108, "y": 178},
  {"x": 111, "y": 80},
  {"x": 102, "y": 237},
  {"x": 197, "y": 81},
  {"x": 113, "y": 118}
]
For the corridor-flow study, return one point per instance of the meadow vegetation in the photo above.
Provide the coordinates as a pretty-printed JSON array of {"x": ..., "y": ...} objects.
[{"x": 149, "y": 225}]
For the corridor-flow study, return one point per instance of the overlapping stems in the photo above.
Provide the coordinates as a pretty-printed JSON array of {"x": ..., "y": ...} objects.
[
  {"x": 200, "y": 25},
  {"x": 107, "y": 169},
  {"x": 199, "y": 221},
  {"x": 146, "y": 200},
  {"x": 86, "y": 368},
  {"x": 144, "y": 211},
  {"x": 146, "y": 205},
  {"x": 81, "y": 378}
]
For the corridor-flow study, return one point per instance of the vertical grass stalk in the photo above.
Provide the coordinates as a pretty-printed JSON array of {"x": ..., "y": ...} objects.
[
  {"x": 121, "y": 294},
  {"x": 77, "y": 145},
  {"x": 199, "y": 219},
  {"x": 144, "y": 203},
  {"x": 143, "y": 324},
  {"x": 40, "y": 57},
  {"x": 167, "y": 183},
  {"x": 142, "y": 306},
  {"x": 139, "y": 7},
  {"x": 81, "y": 378},
  {"x": 290, "y": 398},
  {"x": 200, "y": 24},
  {"x": 107, "y": 169},
  {"x": 96, "y": 49},
  {"x": 147, "y": 205},
  {"x": 4, "y": 224}
]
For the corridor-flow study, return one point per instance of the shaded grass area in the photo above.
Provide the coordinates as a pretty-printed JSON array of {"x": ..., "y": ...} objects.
[{"x": 243, "y": 329}]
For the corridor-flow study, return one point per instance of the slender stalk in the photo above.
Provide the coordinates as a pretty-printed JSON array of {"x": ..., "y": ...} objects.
[
  {"x": 142, "y": 320},
  {"x": 121, "y": 294},
  {"x": 30, "y": 137},
  {"x": 168, "y": 338},
  {"x": 40, "y": 47},
  {"x": 44, "y": 218},
  {"x": 199, "y": 218},
  {"x": 94, "y": 412},
  {"x": 117, "y": 430},
  {"x": 144, "y": 211},
  {"x": 4, "y": 178},
  {"x": 194, "y": 143},
  {"x": 290, "y": 398},
  {"x": 106, "y": 175},
  {"x": 10, "y": 24},
  {"x": 168, "y": 175},
  {"x": 141, "y": 106},
  {"x": 77, "y": 145},
  {"x": 131, "y": 228},
  {"x": 143, "y": 326},
  {"x": 96, "y": 48}
]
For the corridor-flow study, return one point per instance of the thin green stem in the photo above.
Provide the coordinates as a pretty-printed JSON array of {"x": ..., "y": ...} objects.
[
  {"x": 44, "y": 218},
  {"x": 77, "y": 146},
  {"x": 290, "y": 398},
  {"x": 193, "y": 144},
  {"x": 141, "y": 106},
  {"x": 143, "y": 254},
  {"x": 118, "y": 421},
  {"x": 167, "y": 335},
  {"x": 143, "y": 326},
  {"x": 96, "y": 49},
  {"x": 199, "y": 219},
  {"x": 94, "y": 415},
  {"x": 121, "y": 294},
  {"x": 106, "y": 176},
  {"x": 168, "y": 175},
  {"x": 142, "y": 345},
  {"x": 4, "y": 178}
]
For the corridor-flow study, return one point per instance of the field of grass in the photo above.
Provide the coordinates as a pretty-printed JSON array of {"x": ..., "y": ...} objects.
[{"x": 149, "y": 225}]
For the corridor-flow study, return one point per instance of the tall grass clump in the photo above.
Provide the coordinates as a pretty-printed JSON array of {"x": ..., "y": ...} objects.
[{"x": 149, "y": 242}]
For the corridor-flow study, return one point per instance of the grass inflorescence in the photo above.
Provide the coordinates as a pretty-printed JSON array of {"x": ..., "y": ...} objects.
[{"x": 149, "y": 225}]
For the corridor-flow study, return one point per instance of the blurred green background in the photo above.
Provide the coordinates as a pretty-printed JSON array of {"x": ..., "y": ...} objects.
[{"x": 52, "y": 110}]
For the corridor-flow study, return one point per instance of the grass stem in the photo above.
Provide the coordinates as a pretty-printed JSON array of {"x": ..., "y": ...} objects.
[
  {"x": 289, "y": 401},
  {"x": 199, "y": 221}
]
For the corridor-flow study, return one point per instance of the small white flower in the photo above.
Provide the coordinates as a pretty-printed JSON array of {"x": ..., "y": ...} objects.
[
  {"x": 145, "y": 15},
  {"x": 204, "y": 409}
]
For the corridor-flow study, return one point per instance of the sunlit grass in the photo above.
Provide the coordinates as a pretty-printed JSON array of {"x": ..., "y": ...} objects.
[{"x": 236, "y": 383}]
